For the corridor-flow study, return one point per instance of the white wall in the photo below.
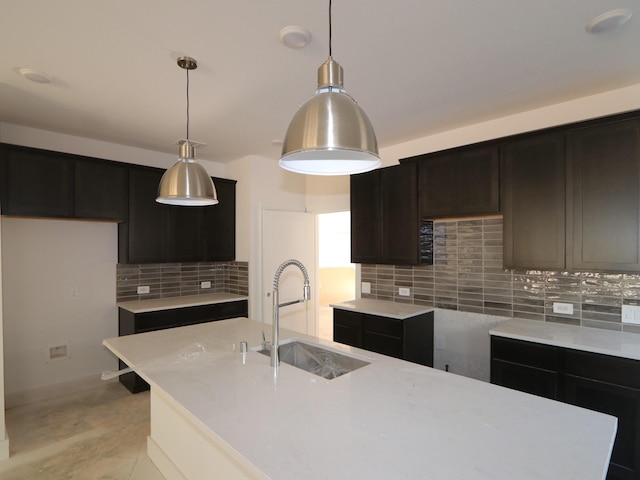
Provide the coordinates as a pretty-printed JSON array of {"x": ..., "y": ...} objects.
[
  {"x": 43, "y": 263},
  {"x": 262, "y": 185}
]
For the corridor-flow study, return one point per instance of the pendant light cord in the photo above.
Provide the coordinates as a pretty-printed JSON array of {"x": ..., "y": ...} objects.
[
  {"x": 329, "y": 28},
  {"x": 187, "y": 104}
]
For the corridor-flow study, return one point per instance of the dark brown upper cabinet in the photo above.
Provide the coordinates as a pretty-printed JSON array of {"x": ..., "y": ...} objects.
[
  {"x": 158, "y": 233},
  {"x": 460, "y": 182},
  {"x": 365, "y": 217},
  {"x": 41, "y": 183},
  {"x": 533, "y": 201},
  {"x": 36, "y": 183},
  {"x": 384, "y": 216},
  {"x": 603, "y": 193}
]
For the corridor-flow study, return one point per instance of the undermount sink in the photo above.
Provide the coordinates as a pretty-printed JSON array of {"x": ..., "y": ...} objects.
[{"x": 316, "y": 359}]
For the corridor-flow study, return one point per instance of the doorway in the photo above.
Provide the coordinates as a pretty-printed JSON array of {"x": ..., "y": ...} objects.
[{"x": 336, "y": 273}]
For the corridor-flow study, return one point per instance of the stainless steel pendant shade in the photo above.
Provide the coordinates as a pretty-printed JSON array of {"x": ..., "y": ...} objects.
[
  {"x": 330, "y": 134},
  {"x": 187, "y": 183}
]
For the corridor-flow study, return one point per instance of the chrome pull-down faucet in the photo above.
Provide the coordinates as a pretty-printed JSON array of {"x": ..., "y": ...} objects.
[{"x": 306, "y": 295}]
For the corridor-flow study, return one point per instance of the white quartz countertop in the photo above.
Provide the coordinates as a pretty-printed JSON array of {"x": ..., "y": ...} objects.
[
  {"x": 382, "y": 308},
  {"x": 388, "y": 420},
  {"x": 142, "y": 306},
  {"x": 594, "y": 340}
]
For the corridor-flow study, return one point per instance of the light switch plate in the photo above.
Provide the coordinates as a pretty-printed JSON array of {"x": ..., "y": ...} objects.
[
  {"x": 630, "y": 314},
  {"x": 366, "y": 287}
]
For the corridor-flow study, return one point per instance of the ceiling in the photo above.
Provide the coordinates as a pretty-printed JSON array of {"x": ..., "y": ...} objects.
[{"x": 417, "y": 67}]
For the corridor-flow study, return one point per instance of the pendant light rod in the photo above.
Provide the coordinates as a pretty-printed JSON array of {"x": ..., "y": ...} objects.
[
  {"x": 330, "y": 29},
  {"x": 187, "y": 183}
]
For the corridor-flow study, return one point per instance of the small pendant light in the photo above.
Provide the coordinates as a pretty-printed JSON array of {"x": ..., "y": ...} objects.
[
  {"x": 330, "y": 134},
  {"x": 187, "y": 183}
]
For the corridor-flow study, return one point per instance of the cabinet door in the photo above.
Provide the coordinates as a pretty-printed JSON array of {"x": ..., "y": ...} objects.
[
  {"x": 399, "y": 215},
  {"x": 436, "y": 181},
  {"x": 36, "y": 183},
  {"x": 604, "y": 191},
  {"x": 365, "y": 217},
  {"x": 526, "y": 366},
  {"x": 621, "y": 402},
  {"x": 533, "y": 202},
  {"x": 100, "y": 190},
  {"x": 185, "y": 234},
  {"x": 220, "y": 223},
  {"x": 148, "y": 219},
  {"x": 461, "y": 182},
  {"x": 347, "y": 327}
]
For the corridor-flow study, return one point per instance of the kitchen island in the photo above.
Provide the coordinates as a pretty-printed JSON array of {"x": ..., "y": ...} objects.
[{"x": 218, "y": 413}]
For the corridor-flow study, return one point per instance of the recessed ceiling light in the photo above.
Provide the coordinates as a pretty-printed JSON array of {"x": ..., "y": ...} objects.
[
  {"x": 609, "y": 20},
  {"x": 34, "y": 75},
  {"x": 294, "y": 36}
]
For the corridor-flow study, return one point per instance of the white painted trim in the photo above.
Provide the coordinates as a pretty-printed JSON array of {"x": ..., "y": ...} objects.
[{"x": 4, "y": 446}]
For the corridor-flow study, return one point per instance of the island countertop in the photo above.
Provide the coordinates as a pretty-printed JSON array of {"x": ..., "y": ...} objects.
[{"x": 388, "y": 420}]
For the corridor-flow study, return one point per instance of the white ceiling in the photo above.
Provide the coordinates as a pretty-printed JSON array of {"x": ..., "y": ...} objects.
[{"x": 416, "y": 66}]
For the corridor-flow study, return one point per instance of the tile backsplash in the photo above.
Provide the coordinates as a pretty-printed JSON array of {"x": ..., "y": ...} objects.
[
  {"x": 180, "y": 279},
  {"x": 467, "y": 275}
]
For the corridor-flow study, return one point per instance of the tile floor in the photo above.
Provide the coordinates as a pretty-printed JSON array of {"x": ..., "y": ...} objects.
[{"x": 97, "y": 434}]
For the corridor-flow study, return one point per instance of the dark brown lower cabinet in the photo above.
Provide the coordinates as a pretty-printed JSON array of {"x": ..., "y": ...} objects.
[
  {"x": 130, "y": 323},
  {"x": 598, "y": 382},
  {"x": 410, "y": 339}
]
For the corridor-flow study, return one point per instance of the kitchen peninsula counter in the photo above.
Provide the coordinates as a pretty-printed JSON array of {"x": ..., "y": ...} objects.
[{"x": 214, "y": 409}]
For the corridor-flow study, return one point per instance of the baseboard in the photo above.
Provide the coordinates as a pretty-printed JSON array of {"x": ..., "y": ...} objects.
[{"x": 48, "y": 392}]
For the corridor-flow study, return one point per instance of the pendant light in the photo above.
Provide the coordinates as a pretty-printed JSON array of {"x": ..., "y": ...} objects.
[
  {"x": 330, "y": 134},
  {"x": 187, "y": 183}
]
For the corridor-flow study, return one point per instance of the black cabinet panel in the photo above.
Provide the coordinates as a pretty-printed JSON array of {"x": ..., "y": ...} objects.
[
  {"x": 459, "y": 182},
  {"x": 130, "y": 323},
  {"x": 36, "y": 183},
  {"x": 410, "y": 339},
  {"x": 101, "y": 190},
  {"x": 185, "y": 234},
  {"x": 536, "y": 381},
  {"x": 148, "y": 220},
  {"x": 365, "y": 217},
  {"x": 400, "y": 228},
  {"x": 604, "y": 195},
  {"x": 533, "y": 202},
  {"x": 384, "y": 217}
]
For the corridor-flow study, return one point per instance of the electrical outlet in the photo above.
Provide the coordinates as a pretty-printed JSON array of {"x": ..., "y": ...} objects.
[
  {"x": 366, "y": 287},
  {"x": 206, "y": 284},
  {"x": 142, "y": 289},
  {"x": 630, "y": 314},
  {"x": 404, "y": 292},
  {"x": 566, "y": 308},
  {"x": 74, "y": 293}
]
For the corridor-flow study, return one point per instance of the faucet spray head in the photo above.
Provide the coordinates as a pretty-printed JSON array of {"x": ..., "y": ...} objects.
[{"x": 307, "y": 291}]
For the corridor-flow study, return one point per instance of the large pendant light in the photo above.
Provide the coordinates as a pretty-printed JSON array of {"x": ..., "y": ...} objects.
[
  {"x": 330, "y": 134},
  {"x": 187, "y": 183}
]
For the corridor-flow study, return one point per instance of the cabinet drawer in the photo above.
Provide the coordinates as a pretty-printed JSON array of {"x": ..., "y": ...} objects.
[
  {"x": 605, "y": 368},
  {"x": 525, "y": 353},
  {"x": 383, "y": 344},
  {"x": 347, "y": 335},
  {"x": 536, "y": 381},
  {"x": 347, "y": 319},
  {"x": 384, "y": 325}
]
